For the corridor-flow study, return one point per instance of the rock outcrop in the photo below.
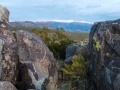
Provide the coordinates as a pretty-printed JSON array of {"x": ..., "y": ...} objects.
[
  {"x": 70, "y": 52},
  {"x": 76, "y": 49},
  {"x": 25, "y": 61},
  {"x": 8, "y": 49},
  {"x": 105, "y": 55},
  {"x": 36, "y": 58}
]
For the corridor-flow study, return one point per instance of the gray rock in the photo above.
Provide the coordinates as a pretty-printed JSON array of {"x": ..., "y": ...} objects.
[
  {"x": 117, "y": 83},
  {"x": 105, "y": 55},
  {"x": 76, "y": 49},
  {"x": 70, "y": 50},
  {"x": 68, "y": 60},
  {"x": 82, "y": 50},
  {"x": 4, "y": 85},
  {"x": 37, "y": 58}
]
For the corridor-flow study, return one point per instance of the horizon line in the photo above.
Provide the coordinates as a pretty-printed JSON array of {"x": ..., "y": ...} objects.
[{"x": 55, "y": 20}]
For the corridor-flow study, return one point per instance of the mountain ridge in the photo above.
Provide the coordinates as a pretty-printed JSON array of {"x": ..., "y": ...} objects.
[{"x": 69, "y": 25}]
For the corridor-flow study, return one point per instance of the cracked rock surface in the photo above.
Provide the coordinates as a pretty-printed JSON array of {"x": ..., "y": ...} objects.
[
  {"x": 25, "y": 61},
  {"x": 105, "y": 59}
]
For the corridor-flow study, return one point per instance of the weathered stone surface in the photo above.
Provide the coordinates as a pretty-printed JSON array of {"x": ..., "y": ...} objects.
[
  {"x": 4, "y": 14},
  {"x": 82, "y": 50},
  {"x": 4, "y": 85},
  {"x": 105, "y": 55},
  {"x": 35, "y": 68},
  {"x": 69, "y": 59},
  {"x": 36, "y": 60},
  {"x": 70, "y": 50},
  {"x": 76, "y": 49},
  {"x": 8, "y": 49},
  {"x": 117, "y": 83}
]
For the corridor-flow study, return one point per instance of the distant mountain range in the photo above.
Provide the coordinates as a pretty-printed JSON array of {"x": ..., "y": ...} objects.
[{"x": 70, "y": 25}]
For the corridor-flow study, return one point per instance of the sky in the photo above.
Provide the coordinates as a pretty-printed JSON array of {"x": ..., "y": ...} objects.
[{"x": 77, "y": 10}]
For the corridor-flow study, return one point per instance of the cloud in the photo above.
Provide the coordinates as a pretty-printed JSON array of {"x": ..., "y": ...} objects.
[
  {"x": 90, "y": 10},
  {"x": 92, "y": 6}
]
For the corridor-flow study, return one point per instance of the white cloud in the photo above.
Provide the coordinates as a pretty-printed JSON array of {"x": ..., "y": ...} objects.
[
  {"x": 103, "y": 5},
  {"x": 81, "y": 8},
  {"x": 66, "y": 21}
]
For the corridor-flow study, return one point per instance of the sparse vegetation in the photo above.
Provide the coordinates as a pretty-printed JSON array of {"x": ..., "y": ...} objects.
[
  {"x": 77, "y": 72},
  {"x": 96, "y": 44},
  {"x": 57, "y": 41},
  {"x": 78, "y": 36}
]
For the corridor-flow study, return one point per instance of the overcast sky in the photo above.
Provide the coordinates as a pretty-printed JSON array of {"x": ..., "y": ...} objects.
[{"x": 80, "y": 10}]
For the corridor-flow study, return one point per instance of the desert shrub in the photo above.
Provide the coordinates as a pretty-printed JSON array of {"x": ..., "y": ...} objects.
[
  {"x": 78, "y": 36},
  {"x": 77, "y": 71},
  {"x": 56, "y": 40},
  {"x": 77, "y": 68}
]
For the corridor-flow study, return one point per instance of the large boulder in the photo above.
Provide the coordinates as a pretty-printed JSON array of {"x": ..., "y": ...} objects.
[
  {"x": 8, "y": 49},
  {"x": 25, "y": 61},
  {"x": 105, "y": 55},
  {"x": 38, "y": 67}
]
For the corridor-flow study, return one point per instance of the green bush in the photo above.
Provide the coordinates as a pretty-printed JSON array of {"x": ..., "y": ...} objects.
[
  {"x": 77, "y": 71},
  {"x": 56, "y": 40}
]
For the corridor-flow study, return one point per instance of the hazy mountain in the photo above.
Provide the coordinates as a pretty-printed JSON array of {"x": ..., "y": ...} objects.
[
  {"x": 66, "y": 25},
  {"x": 29, "y": 24}
]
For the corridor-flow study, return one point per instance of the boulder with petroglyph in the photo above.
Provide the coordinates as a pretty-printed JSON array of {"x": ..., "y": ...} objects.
[{"x": 37, "y": 60}]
